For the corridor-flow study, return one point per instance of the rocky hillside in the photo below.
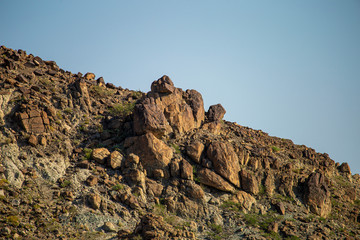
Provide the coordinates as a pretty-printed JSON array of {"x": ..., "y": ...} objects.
[{"x": 84, "y": 159}]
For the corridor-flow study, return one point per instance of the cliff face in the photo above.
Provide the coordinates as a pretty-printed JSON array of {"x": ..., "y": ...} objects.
[{"x": 84, "y": 159}]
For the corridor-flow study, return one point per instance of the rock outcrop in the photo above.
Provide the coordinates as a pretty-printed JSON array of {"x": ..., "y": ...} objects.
[
  {"x": 225, "y": 161},
  {"x": 317, "y": 195},
  {"x": 84, "y": 159}
]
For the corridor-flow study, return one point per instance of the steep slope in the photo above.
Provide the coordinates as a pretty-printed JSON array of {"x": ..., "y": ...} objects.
[{"x": 84, "y": 159}]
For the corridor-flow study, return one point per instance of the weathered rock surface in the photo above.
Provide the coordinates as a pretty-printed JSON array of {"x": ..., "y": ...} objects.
[
  {"x": 245, "y": 199},
  {"x": 209, "y": 178},
  {"x": 317, "y": 195},
  {"x": 149, "y": 117},
  {"x": 225, "y": 161},
  {"x": 154, "y": 153},
  {"x": 216, "y": 113},
  {"x": 166, "y": 110},
  {"x": 100, "y": 155},
  {"x": 194, "y": 151},
  {"x": 79, "y": 156},
  {"x": 249, "y": 182}
]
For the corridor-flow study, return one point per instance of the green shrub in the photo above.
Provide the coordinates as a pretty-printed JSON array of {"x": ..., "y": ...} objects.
[
  {"x": 230, "y": 205},
  {"x": 13, "y": 220},
  {"x": 122, "y": 109},
  {"x": 176, "y": 147},
  {"x": 68, "y": 110},
  {"x": 216, "y": 228},
  {"x": 251, "y": 220},
  {"x": 275, "y": 149},
  {"x": 65, "y": 183},
  {"x": 101, "y": 92},
  {"x": 87, "y": 153},
  {"x": 117, "y": 187}
]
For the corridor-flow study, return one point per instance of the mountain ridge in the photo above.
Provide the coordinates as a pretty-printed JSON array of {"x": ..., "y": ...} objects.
[{"x": 108, "y": 162}]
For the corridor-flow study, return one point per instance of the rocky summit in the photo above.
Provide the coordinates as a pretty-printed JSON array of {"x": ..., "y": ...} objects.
[{"x": 84, "y": 159}]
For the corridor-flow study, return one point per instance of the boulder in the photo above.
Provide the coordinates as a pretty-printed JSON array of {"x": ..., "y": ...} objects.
[
  {"x": 195, "y": 101},
  {"x": 212, "y": 127},
  {"x": 193, "y": 190},
  {"x": 153, "y": 188},
  {"x": 109, "y": 227},
  {"x": 94, "y": 201},
  {"x": 115, "y": 160},
  {"x": 33, "y": 141},
  {"x": 225, "y": 161},
  {"x": 186, "y": 170},
  {"x": 345, "y": 168},
  {"x": 210, "y": 178},
  {"x": 154, "y": 153},
  {"x": 216, "y": 113},
  {"x": 149, "y": 117},
  {"x": 89, "y": 76},
  {"x": 317, "y": 195},
  {"x": 249, "y": 182},
  {"x": 100, "y": 154},
  {"x": 163, "y": 85},
  {"x": 180, "y": 117},
  {"x": 132, "y": 161},
  {"x": 194, "y": 150},
  {"x": 168, "y": 109},
  {"x": 34, "y": 120},
  {"x": 245, "y": 200}
]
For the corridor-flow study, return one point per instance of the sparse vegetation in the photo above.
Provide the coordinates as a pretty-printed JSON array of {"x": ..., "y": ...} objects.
[
  {"x": 275, "y": 149},
  {"x": 122, "y": 109},
  {"x": 230, "y": 205},
  {"x": 101, "y": 92},
  {"x": 13, "y": 220},
  {"x": 117, "y": 187},
  {"x": 87, "y": 153},
  {"x": 176, "y": 148},
  {"x": 65, "y": 184}
]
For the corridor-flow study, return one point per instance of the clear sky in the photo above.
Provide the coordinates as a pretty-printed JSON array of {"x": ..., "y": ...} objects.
[{"x": 289, "y": 68}]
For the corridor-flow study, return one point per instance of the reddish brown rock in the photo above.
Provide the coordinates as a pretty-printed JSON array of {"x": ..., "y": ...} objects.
[
  {"x": 163, "y": 85},
  {"x": 245, "y": 200},
  {"x": 89, "y": 76},
  {"x": 345, "y": 168},
  {"x": 100, "y": 154},
  {"x": 149, "y": 117},
  {"x": 193, "y": 190},
  {"x": 132, "y": 161},
  {"x": 212, "y": 127},
  {"x": 216, "y": 113},
  {"x": 194, "y": 150},
  {"x": 115, "y": 160},
  {"x": 195, "y": 100},
  {"x": 33, "y": 120},
  {"x": 154, "y": 188},
  {"x": 249, "y": 182},
  {"x": 186, "y": 170},
  {"x": 317, "y": 195},
  {"x": 209, "y": 178},
  {"x": 33, "y": 140},
  {"x": 180, "y": 117},
  {"x": 92, "y": 180},
  {"x": 154, "y": 153},
  {"x": 225, "y": 161},
  {"x": 94, "y": 201}
]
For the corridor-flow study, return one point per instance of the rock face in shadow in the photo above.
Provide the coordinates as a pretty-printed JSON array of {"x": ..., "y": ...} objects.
[{"x": 317, "y": 195}]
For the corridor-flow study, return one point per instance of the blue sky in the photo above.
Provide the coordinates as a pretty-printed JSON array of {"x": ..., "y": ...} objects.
[{"x": 289, "y": 68}]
